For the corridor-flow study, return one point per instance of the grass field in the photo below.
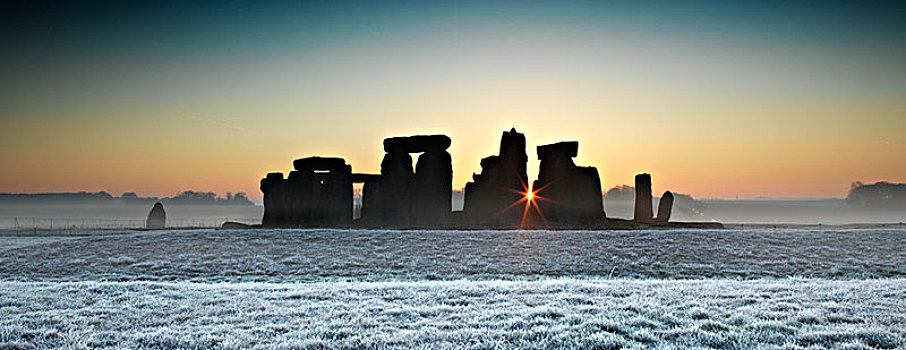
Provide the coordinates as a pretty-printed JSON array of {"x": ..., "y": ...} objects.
[{"x": 456, "y": 289}]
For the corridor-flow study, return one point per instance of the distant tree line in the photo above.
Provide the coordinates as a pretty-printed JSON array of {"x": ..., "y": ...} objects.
[
  {"x": 877, "y": 196},
  {"x": 183, "y": 198}
]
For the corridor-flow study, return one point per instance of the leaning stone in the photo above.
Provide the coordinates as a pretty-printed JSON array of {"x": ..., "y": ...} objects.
[{"x": 665, "y": 207}]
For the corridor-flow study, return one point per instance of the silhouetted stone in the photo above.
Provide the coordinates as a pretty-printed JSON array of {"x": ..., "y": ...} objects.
[
  {"x": 428, "y": 143},
  {"x": 304, "y": 194},
  {"x": 643, "y": 210},
  {"x": 561, "y": 150},
  {"x": 433, "y": 187},
  {"x": 274, "y": 198},
  {"x": 396, "y": 144},
  {"x": 568, "y": 195},
  {"x": 336, "y": 197},
  {"x": 665, "y": 207},
  {"x": 503, "y": 182},
  {"x": 319, "y": 163},
  {"x": 588, "y": 195},
  {"x": 403, "y": 197},
  {"x": 396, "y": 179},
  {"x": 370, "y": 215},
  {"x": 157, "y": 218},
  {"x": 365, "y": 178},
  {"x": 317, "y": 194}
]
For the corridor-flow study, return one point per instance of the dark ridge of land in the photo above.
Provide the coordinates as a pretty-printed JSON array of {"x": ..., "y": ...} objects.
[
  {"x": 130, "y": 198},
  {"x": 607, "y": 224}
]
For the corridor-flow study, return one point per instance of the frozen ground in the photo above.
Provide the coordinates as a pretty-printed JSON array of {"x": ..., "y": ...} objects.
[
  {"x": 332, "y": 255},
  {"x": 456, "y": 289},
  {"x": 562, "y": 313}
]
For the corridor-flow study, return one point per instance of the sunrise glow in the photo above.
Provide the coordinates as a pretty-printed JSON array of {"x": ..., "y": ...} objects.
[{"x": 157, "y": 102}]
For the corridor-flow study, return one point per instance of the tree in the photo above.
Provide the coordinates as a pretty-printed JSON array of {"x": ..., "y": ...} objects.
[{"x": 878, "y": 196}]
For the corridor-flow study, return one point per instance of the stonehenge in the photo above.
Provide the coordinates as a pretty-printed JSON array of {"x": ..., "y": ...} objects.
[{"x": 318, "y": 192}]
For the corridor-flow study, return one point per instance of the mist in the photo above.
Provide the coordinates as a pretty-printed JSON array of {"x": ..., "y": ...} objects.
[
  {"x": 879, "y": 203},
  {"x": 19, "y": 216},
  {"x": 619, "y": 203}
]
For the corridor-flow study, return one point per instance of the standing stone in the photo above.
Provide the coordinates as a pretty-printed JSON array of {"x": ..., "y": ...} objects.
[
  {"x": 337, "y": 197},
  {"x": 571, "y": 195},
  {"x": 157, "y": 218},
  {"x": 433, "y": 184},
  {"x": 396, "y": 179},
  {"x": 643, "y": 210},
  {"x": 274, "y": 200},
  {"x": 302, "y": 187},
  {"x": 587, "y": 195},
  {"x": 492, "y": 197},
  {"x": 511, "y": 179},
  {"x": 665, "y": 207},
  {"x": 371, "y": 199}
]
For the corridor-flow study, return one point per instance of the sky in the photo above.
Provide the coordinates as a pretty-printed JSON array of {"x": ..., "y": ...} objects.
[{"x": 715, "y": 99}]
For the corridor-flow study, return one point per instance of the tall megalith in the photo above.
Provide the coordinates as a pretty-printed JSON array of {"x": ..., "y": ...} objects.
[
  {"x": 433, "y": 183},
  {"x": 643, "y": 210},
  {"x": 491, "y": 196},
  {"x": 396, "y": 182},
  {"x": 274, "y": 198}
]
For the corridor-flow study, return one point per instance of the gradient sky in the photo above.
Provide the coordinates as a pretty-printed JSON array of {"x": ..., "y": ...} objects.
[{"x": 715, "y": 99}]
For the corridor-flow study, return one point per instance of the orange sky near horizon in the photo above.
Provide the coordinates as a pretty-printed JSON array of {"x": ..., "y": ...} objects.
[{"x": 714, "y": 100}]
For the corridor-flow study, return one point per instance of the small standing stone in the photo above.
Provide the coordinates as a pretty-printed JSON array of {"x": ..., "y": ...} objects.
[{"x": 157, "y": 218}]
